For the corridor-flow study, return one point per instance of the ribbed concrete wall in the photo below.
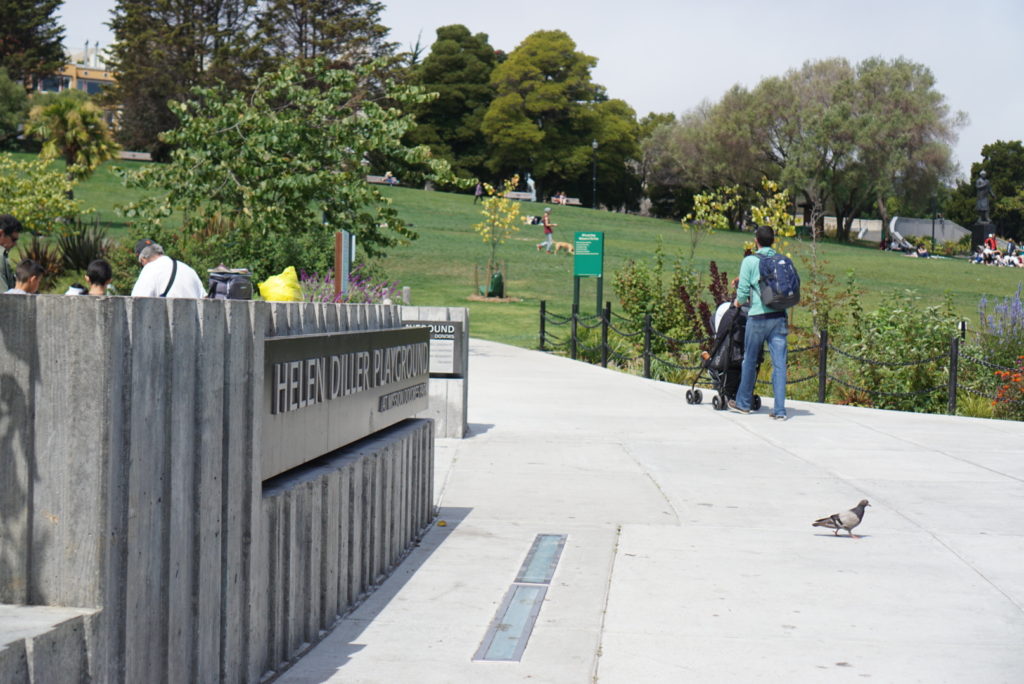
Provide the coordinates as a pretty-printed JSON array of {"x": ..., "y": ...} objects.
[{"x": 131, "y": 482}]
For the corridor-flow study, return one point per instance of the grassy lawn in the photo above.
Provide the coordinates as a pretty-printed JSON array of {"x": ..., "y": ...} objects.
[{"x": 440, "y": 266}]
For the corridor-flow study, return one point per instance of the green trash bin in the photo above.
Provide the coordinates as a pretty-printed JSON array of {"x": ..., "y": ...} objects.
[{"x": 497, "y": 286}]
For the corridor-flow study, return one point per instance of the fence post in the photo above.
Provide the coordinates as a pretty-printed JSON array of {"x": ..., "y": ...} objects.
[
  {"x": 647, "y": 346},
  {"x": 543, "y": 316},
  {"x": 572, "y": 332},
  {"x": 954, "y": 358},
  {"x": 822, "y": 364},
  {"x": 605, "y": 318}
]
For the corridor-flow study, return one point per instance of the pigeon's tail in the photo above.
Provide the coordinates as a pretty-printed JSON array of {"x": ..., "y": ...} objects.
[{"x": 831, "y": 522}]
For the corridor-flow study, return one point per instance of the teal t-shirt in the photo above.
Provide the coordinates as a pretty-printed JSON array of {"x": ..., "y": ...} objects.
[{"x": 749, "y": 288}]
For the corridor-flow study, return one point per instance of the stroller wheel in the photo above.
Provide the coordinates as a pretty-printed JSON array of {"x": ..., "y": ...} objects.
[
  {"x": 756, "y": 403},
  {"x": 717, "y": 402},
  {"x": 689, "y": 396},
  {"x": 697, "y": 396}
]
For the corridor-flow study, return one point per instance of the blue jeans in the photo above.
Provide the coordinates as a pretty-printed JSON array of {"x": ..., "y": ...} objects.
[{"x": 759, "y": 330}]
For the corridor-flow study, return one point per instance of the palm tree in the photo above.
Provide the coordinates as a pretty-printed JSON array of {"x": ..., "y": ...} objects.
[{"x": 72, "y": 128}]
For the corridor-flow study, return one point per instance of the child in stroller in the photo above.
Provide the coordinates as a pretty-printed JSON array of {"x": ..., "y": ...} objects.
[{"x": 725, "y": 360}]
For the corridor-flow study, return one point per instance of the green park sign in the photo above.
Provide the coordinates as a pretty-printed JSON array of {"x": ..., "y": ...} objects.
[{"x": 588, "y": 261}]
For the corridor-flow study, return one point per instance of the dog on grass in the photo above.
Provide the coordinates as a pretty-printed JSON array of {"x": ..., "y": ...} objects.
[{"x": 564, "y": 247}]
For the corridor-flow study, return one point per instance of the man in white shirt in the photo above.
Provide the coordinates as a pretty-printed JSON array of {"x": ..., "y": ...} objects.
[{"x": 163, "y": 276}]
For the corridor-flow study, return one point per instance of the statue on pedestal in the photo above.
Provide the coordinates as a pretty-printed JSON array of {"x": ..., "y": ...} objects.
[{"x": 983, "y": 205}]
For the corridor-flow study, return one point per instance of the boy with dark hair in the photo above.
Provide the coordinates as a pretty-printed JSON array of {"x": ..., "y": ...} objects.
[
  {"x": 26, "y": 278},
  {"x": 98, "y": 275},
  {"x": 764, "y": 324}
]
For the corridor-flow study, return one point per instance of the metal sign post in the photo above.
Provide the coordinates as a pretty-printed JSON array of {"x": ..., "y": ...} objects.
[{"x": 588, "y": 262}]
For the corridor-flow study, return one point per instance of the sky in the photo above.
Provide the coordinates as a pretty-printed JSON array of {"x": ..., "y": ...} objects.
[{"x": 670, "y": 55}]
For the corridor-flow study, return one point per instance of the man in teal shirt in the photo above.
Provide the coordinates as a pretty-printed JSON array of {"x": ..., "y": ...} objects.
[{"x": 764, "y": 324}]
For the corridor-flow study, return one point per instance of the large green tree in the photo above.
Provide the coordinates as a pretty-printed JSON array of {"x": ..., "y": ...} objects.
[
  {"x": 254, "y": 173},
  {"x": 163, "y": 48},
  {"x": 30, "y": 39},
  {"x": 458, "y": 69},
  {"x": 546, "y": 115},
  {"x": 539, "y": 120}
]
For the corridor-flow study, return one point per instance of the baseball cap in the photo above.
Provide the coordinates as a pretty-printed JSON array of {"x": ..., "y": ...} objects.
[{"x": 141, "y": 245}]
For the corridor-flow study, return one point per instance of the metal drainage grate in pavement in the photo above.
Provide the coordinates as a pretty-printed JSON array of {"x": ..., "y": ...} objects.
[{"x": 510, "y": 630}]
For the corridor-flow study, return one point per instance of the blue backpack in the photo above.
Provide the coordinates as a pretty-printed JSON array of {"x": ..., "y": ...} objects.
[{"x": 780, "y": 283}]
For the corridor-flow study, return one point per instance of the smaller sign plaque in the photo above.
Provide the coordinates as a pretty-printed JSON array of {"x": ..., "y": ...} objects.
[
  {"x": 445, "y": 346},
  {"x": 588, "y": 261}
]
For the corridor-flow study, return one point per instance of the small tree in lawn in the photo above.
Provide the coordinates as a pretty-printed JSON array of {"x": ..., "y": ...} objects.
[
  {"x": 501, "y": 219},
  {"x": 710, "y": 213}
]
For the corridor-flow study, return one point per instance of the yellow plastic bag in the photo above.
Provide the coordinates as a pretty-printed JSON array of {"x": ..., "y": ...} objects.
[{"x": 282, "y": 288}]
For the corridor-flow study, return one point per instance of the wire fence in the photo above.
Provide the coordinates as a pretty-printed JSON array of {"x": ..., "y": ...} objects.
[{"x": 637, "y": 344}]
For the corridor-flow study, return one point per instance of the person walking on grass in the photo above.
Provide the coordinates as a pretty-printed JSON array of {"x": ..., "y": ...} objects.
[{"x": 764, "y": 324}]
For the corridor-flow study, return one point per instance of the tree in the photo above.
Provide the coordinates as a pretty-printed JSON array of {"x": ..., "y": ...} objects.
[
  {"x": 501, "y": 219},
  {"x": 13, "y": 107},
  {"x": 618, "y": 154},
  {"x": 254, "y": 174},
  {"x": 163, "y": 48},
  {"x": 538, "y": 120},
  {"x": 30, "y": 39},
  {"x": 906, "y": 131},
  {"x": 458, "y": 69},
  {"x": 72, "y": 128},
  {"x": 345, "y": 32},
  {"x": 840, "y": 137}
]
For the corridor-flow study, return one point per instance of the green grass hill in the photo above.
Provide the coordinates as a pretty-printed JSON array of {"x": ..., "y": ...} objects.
[{"x": 445, "y": 265}]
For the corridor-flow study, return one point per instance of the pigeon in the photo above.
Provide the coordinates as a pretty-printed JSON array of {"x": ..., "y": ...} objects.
[{"x": 846, "y": 520}]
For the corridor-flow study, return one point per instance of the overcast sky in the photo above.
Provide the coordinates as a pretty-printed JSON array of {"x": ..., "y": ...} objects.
[{"x": 669, "y": 55}]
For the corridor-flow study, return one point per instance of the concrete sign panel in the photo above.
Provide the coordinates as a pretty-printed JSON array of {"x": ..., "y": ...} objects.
[
  {"x": 321, "y": 392},
  {"x": 446, "y": 342},
  {"x": 588, "y": 261}
]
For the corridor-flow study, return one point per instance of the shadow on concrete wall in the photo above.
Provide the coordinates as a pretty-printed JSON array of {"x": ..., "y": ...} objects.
[{"x": 19, "y": 373}]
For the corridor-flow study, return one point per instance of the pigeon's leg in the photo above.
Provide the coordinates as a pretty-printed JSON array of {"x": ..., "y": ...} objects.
[{"x": 836, "y": 532}]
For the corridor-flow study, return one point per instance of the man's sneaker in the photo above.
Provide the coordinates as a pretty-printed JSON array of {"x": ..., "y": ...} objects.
[
  {"x": 737, "y": 409},
  {"x": 778, "y": 416}
]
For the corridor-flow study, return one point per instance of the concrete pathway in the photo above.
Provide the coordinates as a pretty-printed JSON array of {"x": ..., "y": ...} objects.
[{"x": 690, "y": 556}]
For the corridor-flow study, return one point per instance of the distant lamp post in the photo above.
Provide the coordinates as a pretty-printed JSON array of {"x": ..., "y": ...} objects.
[{"x": 594, "y": 195}]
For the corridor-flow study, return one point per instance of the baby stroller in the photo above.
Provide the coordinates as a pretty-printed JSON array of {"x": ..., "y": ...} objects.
[{"x": 724, "y": 362}]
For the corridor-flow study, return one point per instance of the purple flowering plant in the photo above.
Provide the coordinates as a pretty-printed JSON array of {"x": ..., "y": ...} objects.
[
  {"x": 362, "y": 287},
  {"x": 1002, "y": 327}
]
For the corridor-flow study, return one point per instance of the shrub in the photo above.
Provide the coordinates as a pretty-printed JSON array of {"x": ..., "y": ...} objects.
[
  {"x": 364, "y": 287},
  {"x": 83, "y": 244},
  {"x": 46, "y": 255},
  {"x": 911, "y": 342}
]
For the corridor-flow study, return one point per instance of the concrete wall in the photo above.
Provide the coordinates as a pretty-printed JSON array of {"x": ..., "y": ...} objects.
[
  {"x": 131, "y": 483},
  {"x": 449, "y": 397}
]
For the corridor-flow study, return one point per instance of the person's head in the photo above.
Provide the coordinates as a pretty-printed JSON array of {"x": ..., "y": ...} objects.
[
  {"x": 10, "y": 229},
  {"x": 764, "y": 236},
  {"x": 147, "y": 250},
  {"x": 547, "y": 210},
  {"x": 99, "y": 274},
  {"x": 28, "y": 275}
]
